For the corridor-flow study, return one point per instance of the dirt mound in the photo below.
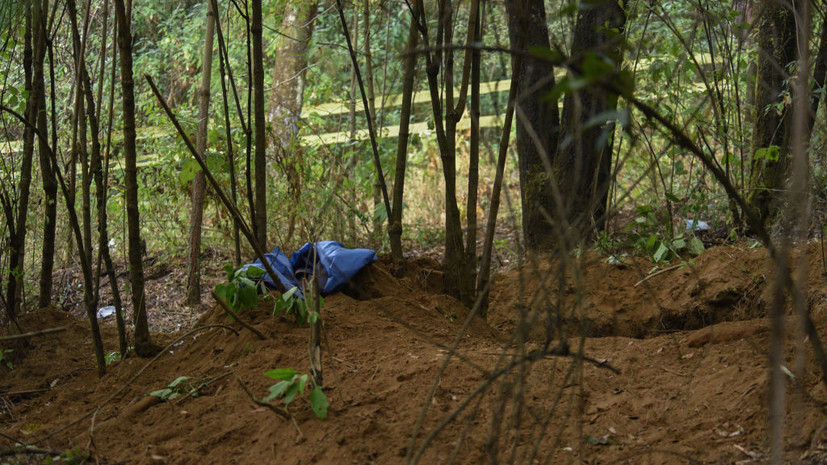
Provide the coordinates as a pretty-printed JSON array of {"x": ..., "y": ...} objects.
[
  {"x": 633, "y": 298},
  {"x": 682, "y": 397}
]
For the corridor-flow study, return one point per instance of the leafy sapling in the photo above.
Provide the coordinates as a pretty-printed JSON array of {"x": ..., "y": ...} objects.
[
  {"x": 291, "y": 302},
  {"x": 243, "y": 286},
  {"x": 175, "y": 388},
  {"x": 292, "y": 384}
]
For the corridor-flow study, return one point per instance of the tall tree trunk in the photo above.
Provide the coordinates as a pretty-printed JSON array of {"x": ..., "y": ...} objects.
[
  {"x": 287, "y": 97},
  {"x": 47, "y": 260},
  {"x": 408, "y": 73},
  {"x": 101, "y": 175},
  {"x": 17, "y": 228},
  {"x": 226, "y": 73},
  {"x": 260, "y": 124},
  {"x": 143, "y": 345},
  {"x": 474, "y": 153},
  {"x": 535, "y": 115},
  {"x": 458, "y": 277},
  {"x": 376, "y": 240},
  {"x": 583, "y": 164},
  {"x": 199, "y": 184},
  {"x": 771, "y": 137}
]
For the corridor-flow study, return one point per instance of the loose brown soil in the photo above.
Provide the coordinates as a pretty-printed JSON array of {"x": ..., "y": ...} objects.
[{"x": 688, "y": 345}]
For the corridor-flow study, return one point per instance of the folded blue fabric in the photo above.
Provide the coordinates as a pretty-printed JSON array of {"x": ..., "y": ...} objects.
[{"x": 332, "y": 265}]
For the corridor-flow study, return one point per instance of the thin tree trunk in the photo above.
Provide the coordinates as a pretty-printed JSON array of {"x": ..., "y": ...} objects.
[
  {"x": 409, "y": 71},
  {"x": 260, "y": 124},
  {"x": 17, "y": 228},
  {"x": 225, "y": 73},
  {"x": 493, "y": 209},
  {"x": 377, "y": 188},
  {"x": 474, "y": 155},
  {"x": 47, "y": 260},
  {"x": 199, "y": 184},
  {"x": 143, "y": 344}
]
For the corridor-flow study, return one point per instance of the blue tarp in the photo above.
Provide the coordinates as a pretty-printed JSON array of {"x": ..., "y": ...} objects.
[{"x": 336, "y": 265}]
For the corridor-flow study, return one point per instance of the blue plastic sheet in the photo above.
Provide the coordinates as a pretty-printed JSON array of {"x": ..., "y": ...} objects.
[{"x": 335, "y": 265}]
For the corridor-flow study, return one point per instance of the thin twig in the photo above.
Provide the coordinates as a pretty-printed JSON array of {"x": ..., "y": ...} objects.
[
  {"x": 235, "y": 316},
  {"x": 201, "y": 386},
  {"x": 280, "y": 412},
  {"x": 31, "y": 334},
  {"x": 23, "y": 393},
  {"x": 657, "y": 273}
]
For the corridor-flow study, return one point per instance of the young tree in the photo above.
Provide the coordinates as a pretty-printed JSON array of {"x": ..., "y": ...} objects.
[
  {"x": 47, "y": 174},
  {"x": 408, "y": 73},
  {"x": 260, "y": 122},
  {"x": 199, "y": 183},
  {"x": 143, "y": 344},
  {"x": 17, "y": 227}
]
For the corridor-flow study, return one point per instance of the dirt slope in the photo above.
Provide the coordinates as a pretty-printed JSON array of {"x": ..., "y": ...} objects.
[{"x": 689, "y": 346}]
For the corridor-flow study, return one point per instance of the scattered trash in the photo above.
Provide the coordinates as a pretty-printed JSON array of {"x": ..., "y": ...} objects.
[
  {"x": 696, "y": 225},
  {"x": 612, "y": 260},
  {"x": 106, "y": 312}
]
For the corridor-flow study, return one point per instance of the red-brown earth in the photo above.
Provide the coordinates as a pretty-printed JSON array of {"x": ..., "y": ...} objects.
[{"x": 676, "y": 371}]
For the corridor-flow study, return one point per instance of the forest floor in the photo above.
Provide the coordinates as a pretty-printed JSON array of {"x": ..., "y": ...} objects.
[{"x": 676, "y": 372}]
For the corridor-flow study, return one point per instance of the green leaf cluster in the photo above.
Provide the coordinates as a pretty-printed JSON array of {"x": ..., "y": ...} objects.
[
  {"x": 292, "y": 384},
  {"x": 175, "y": 388},
  {"x": 241, "y": 291},
  {"x": 291, "y": 303}
]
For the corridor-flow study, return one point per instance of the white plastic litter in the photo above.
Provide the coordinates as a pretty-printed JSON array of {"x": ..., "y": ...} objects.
[
  {"x": 106, "y": 312},
  {"x": 696, "y": 225}
]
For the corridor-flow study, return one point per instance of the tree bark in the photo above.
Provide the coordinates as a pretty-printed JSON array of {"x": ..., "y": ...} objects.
[
  {"x": 287, "y": 97},
  {"x": 143, "y": 344},
  {"x": 769, "y": 168},
  {"x": 47, "y": 260},
  {"x": 199, "y": 184},
  {"x": 527, "y": 26},
  {"x": 17, "y": 228},
  {"x": 582, "y": 167},
  {"x": 259, "y": 125},
  {"x": 408, "y": 73}
]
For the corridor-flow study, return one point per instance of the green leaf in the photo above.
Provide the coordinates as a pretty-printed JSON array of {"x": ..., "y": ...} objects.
[
  {"x": 276, "y": 390},
  {"x": 284, "y": 374},
  {"x": 178, "y": 381},
  {"x": 225, "y": 291},
  {"x": 292, "y": 390},
  {"x": 672, "y": 197},
  {"x": 302, "y": 383},
  {"x": 162, "y": 393},
  {"x": 248, "y": 297},
  {"x": 696, "y": 246},
  {"x": 188, "y": 171},
  {"x": 254, "y": 272},
  {"x": 318, "y": 402},
  {"x": 661, "y": 253}
]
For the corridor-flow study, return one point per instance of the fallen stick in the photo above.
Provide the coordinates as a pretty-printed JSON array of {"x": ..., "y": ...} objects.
[
  {"x": 236, "y": 318},
  {"x": 32, "y": 334},
  {"x": 657, "y": 273},
  {"x": 23, "y": 393}
]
